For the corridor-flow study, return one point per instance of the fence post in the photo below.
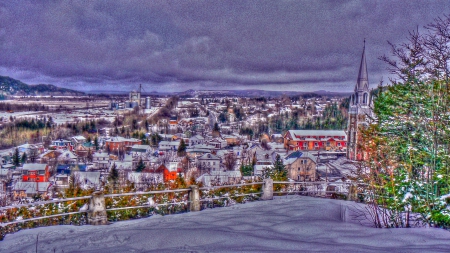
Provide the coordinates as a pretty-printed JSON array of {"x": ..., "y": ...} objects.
[
  {"x": 194, "y": 198},
  {"x": 97, "y": 210},
  {"x": 267, "y": 189},
  {"x": 352, "y": 193}
]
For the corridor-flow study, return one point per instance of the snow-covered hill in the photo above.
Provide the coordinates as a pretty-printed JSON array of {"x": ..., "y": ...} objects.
[{"x": 295, "y": 223}]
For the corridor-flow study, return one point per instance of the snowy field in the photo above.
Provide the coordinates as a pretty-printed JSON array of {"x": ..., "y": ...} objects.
[{"x": 295, "y": 224}]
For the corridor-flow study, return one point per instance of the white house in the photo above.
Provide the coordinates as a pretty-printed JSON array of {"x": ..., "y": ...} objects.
[
  {"x": 196, "y": 140},
  {"x": 220, "y": 177},
  {"x": 169, "y": 145},
  {"x": 100, "y": 160},
  {"x": 209, "y": 161}
]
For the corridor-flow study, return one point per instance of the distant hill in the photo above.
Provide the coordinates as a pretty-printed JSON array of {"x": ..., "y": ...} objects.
[
  {"x": 10, "y": 86},
  {"x": 261, "y": 93}
]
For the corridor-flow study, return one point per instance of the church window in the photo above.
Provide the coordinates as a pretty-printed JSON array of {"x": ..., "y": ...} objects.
[{"x": 365, "y": 98}]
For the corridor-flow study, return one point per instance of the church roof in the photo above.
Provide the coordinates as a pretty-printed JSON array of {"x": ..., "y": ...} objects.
[{"x": 362, "y": 83}]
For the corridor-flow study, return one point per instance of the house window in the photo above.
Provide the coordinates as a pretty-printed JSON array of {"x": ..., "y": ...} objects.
[
  {"x": 298, "y": 168},
  {"x": 41, "y": 172},
  {"x": 298, "y": 177}
]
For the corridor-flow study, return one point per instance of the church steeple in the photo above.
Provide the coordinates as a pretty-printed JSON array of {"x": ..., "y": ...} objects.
[
  {"x": 362, "y": 83},
  {"x": 359, "y": 111}
]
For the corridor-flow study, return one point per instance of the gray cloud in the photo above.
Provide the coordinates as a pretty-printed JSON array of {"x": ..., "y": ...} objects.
[{"x": 176, "y": 45}]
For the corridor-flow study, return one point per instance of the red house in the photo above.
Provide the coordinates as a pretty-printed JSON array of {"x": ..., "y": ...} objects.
[
  {"x": 316, "y": 140},
  {"x": 119, "y": 142},
  {"x": 35, "y": 172},
  {"x": 170, "y": 173}
]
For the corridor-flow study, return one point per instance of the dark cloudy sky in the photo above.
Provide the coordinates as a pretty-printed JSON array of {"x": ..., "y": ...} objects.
[{"x": 178, "y": 45}]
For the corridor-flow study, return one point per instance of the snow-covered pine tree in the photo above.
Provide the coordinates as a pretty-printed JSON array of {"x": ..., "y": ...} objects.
[{"x": 408, "y": 146}]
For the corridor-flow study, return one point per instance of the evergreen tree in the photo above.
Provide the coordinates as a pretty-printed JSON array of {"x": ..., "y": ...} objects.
[
  {"x": 277, "y": 172},
  {"x": 108, "y": 149},
  {"x": 140, "y": 165},
  {"x": 24, "y": 158},
  {"x": 16, "y": 157},
  {"x": 246, "y": 170},
  {"x": 407, "y": 148},
  {"x": 181, "y": 149},
  {"x": 114, "y": 175},
  {"x": 50, "y": 122},
  {"x": 222, "y": 117},
  {"x": 278, "y": 165},
  {"x": 155, "y": 139},
  {"x": 216, "y": 130},
  {"x": 216, "y": 127},
  {"x": 96, "y": 145}
]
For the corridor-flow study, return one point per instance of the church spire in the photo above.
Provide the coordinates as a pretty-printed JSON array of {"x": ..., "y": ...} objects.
[{"x": 362, "y": 83}]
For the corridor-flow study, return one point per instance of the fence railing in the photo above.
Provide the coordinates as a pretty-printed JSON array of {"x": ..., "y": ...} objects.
[{"x": 103, "y": 207}]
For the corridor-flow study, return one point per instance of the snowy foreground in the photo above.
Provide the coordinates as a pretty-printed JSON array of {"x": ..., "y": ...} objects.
[{"x": 295, "y": 223}]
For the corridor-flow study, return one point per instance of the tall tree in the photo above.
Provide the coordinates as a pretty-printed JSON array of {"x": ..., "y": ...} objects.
[
  {"x": 216, "y": 130},
  {"x": 24, "y": 158},
  {"x": 16, "y": 157},
  {"x": 140, "y": 165},
  {"x": 278, "y": 164},
  {"x": 114, "y": 175},
  {"x": 408, "y": 147},
  {"x": 96, "y": 145},
  {"x": 230, "y": 160},
  {"x": 277, "y": 172},
  {"x": 181, "y": 149}
]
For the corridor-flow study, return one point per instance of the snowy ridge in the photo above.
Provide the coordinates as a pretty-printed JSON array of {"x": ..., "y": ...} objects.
[{"x": 293, "y": 223}]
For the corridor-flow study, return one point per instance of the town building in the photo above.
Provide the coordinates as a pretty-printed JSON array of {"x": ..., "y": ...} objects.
[
  {"x": 35, "y": 172},
  {"x": 308, "y": 140},
  {"x": 62, "y": 145},
  {"x": 208, "y": 162},
  {"x": 117, "y": 143},
  {"x": 360, "y": 112},
  {"x": 301, "y": 166}
]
